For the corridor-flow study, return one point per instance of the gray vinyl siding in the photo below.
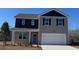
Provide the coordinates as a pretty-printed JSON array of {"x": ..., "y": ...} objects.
[
  {"x": 17, "y": 40},
  {"x": 16, "y": 37},
  {"x": 53, "y": 28}
]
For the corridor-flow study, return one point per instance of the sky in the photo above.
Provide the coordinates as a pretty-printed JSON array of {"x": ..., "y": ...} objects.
[{"x": 7, "y": 14}]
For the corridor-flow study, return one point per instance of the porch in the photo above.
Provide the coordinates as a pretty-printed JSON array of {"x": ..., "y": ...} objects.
[{"x": 25, "y": 36}]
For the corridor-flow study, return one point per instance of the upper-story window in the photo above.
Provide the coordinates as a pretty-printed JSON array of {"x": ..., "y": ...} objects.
[
  {"x": 23, "y": 21},
  {"x": 32, "y": 22},
  {"x": 46, "y": 21},
  {"x": 60, "y": 22}
]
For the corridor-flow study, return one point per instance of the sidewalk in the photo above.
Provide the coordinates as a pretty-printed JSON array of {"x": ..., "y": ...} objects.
[{"x": 57, "y": 47}]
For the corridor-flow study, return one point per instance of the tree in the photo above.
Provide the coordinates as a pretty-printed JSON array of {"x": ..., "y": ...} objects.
[
  {"x": 5, "y": 32},
  {"x": 74, "y": 35}
]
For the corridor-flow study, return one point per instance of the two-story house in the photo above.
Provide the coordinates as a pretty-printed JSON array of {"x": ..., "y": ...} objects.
[{"x": 50, "y": 27}]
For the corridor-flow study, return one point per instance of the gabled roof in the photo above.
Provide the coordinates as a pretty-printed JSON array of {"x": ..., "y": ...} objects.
[
  {"x": 49, "y": 12},
  {"x": 24, "y": 16},
  {"x": 53, "y": 12}
]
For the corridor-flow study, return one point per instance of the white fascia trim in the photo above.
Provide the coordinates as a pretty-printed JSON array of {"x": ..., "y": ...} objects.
[
  {"x": 23, "y": 29},
  {"x": 28, "y": 18},
  {"x": 55, "y": 10}
]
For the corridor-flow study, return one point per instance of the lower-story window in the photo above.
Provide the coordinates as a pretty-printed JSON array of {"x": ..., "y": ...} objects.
[
  {"x": 20, "y": 35},
  {"x": 23, "y": 35}
]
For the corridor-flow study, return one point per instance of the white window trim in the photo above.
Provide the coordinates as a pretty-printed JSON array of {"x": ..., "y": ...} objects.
[
  {"x": 22, "y": 36},
  {"x": 19, "y": 35},
  {"x": 47, "y": 21},
  {"x": 32, "y": 22},
  {"x": 23, "y": 21},
  {"x": 61, "y": 21},
  {"x": 25, "y": 35}
]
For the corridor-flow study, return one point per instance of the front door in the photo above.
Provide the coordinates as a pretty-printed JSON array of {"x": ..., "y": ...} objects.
[{"x": 34, "y": 37}]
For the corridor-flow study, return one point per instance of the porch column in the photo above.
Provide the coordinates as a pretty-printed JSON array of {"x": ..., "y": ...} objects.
[
  {"x": 13, "y": 37},
  {"x": 29, "y": 37},
  {"x": 38, "y": 38}
]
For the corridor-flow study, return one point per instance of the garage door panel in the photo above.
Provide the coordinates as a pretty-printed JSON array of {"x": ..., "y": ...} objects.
[{"x": 49, "y": 38}]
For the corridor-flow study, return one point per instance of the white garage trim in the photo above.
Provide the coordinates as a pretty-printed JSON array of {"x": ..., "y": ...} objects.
[{"x": 53, "y": 38}]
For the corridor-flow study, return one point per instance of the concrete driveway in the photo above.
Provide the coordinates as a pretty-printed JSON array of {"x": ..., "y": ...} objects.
[{"x": 58, "y": 47}]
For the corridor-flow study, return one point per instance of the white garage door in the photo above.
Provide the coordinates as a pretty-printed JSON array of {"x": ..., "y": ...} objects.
[{"x": 52, "y": 38}]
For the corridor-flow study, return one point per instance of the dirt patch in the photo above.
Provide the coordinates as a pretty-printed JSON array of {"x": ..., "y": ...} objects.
[
  {"x": 75, "y": 46},
  {"x": 10, "y": 47},
  {"x": 17, "y": 47}
]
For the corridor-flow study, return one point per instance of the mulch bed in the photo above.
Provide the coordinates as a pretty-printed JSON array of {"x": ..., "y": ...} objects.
[{"x": 11, "y": 47}]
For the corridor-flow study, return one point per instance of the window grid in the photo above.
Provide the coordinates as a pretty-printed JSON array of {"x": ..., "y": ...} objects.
[
  {"x": 23, "y": 22},
  {"x": 32, "y": 22},
  {"x": 23, "y": 35},
  {"x": 60, "y": 22},
  {"x": 46, "y": 21}
]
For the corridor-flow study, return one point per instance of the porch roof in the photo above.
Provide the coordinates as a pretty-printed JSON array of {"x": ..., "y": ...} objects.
[{"x": 24, "y": 29}]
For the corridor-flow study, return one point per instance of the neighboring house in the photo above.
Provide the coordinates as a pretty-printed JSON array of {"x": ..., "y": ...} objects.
[{"x": 50, "y": 27}]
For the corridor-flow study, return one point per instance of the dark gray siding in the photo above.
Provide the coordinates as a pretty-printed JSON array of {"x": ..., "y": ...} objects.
[
  {"x": 53, "y": 13},
  {"x": 27, "y": 23}
]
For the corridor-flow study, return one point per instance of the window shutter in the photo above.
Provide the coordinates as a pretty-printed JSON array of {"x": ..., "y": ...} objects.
[
  {"x": 49, "y": 21},
  {"x": 57, "y": 22},
  {"x": 63, "y": 22},
  {"x": 43, "y": 21}
]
